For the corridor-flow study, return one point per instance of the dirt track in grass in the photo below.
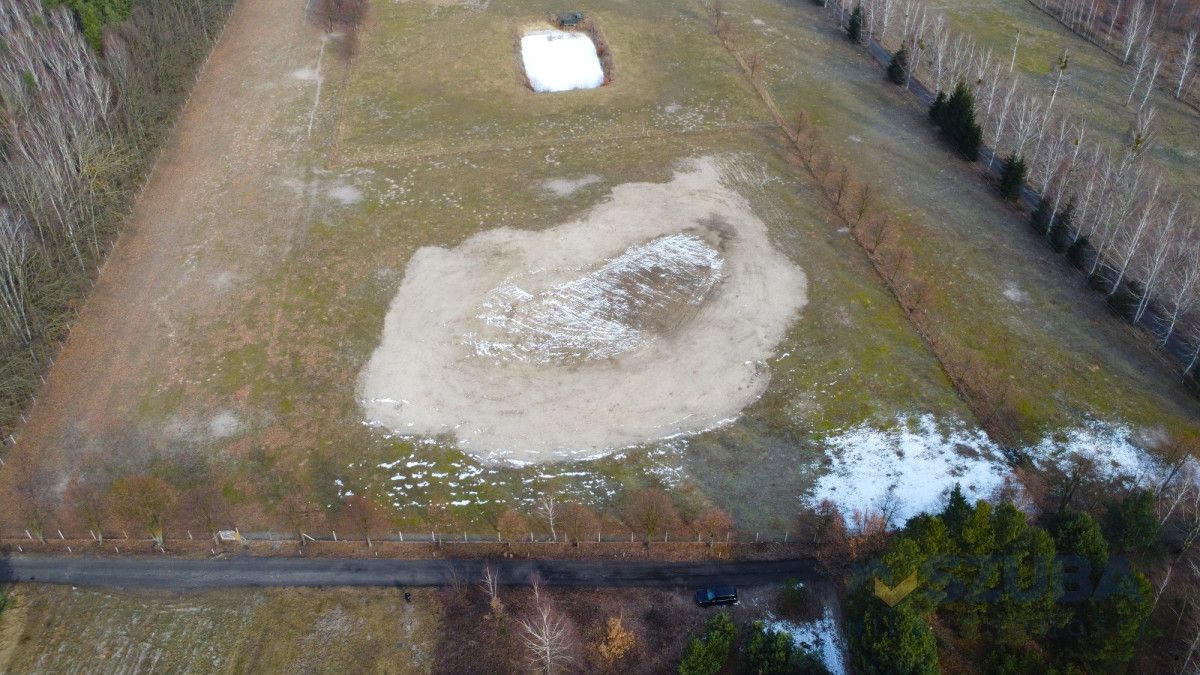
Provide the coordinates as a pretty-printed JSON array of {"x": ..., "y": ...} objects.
[{"x": 199, "y": 231}]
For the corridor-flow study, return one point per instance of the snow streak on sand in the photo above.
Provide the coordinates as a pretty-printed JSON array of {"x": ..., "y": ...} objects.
[
  {"x": 556, "y": 60},
  {"x": 651, "y": 317},
  {"x": 603, "y": 313}
]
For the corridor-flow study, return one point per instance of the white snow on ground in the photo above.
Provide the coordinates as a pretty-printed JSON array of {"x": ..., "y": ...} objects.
[
  {"x": 603, "y": 313},
  {"x": 565, "y": 187},
  {"x": 822, "y": 636},
  {"x": 1111, "y": 447},
  {"x": 912, "y": 465},
  {"x": 1015, "y": 294},
  {"x": 556, "y": 60}
]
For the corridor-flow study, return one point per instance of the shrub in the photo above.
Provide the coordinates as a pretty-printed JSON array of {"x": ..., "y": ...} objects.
[
  {"x": 1012, "y": 177},
  {"x": 1040, "y": 220},
  {"x": 94, "y": 15},
  {"x": 897, "y": 70},
  {"x": 1133, "y": 524},
  {"x": 770, "y": 652},
  {"x": 937, "y": 111},
  {"x": 1124, "y": 301},
  {"x": 618, "y": 641},
  {"x": 796, "y": 602},
  {"x": 854, "y": 28},
  {"x": 707, "y": 655},
  {"x": 1077, "y": 253},
  {"x": 1060, "y": 232}
]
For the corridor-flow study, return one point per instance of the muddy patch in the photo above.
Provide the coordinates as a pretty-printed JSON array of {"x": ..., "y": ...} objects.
[{"x": 650, "y": 317}]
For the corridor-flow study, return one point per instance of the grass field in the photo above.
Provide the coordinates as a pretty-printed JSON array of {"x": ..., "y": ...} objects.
[
  {"x": 52, "y": 629},
  {"x": 1095, "y": 94},
  {"x": 230, "y": 326},
  {"x": 60, "y": 629},
  {"x": 998, "y": 289},
  {"x": 423, "y": 141}
]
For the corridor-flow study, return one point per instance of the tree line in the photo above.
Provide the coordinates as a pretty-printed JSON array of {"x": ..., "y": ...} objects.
[
  {"x": 1110, "y": 210},
  {"x": 106, "y": 498},
  {"x": 88, "y": 91},
  {"x": 1157, "y": 40}
]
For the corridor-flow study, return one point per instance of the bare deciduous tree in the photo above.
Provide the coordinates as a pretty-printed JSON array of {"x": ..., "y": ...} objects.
[{"x": 546, "y": 634}]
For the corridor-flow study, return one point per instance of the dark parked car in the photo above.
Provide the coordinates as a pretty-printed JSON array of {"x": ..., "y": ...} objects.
[{"x": 716, "y": 595}]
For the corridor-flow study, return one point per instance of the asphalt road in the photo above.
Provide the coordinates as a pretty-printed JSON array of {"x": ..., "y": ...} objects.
[{"x": 246, "y": 571}]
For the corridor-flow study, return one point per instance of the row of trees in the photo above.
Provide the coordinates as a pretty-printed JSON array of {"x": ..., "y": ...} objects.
[
  {"x": 990, "y": 576},
  {"x": 82, "y": 116},
  {"x": 102, "y": 500},
  {"x": 1114, "y": 213},
  {"x": 1143, "y": 34}
]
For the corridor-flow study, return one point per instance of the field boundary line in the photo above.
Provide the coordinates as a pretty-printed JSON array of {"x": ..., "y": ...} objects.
[{"x": 384, "y": 157}]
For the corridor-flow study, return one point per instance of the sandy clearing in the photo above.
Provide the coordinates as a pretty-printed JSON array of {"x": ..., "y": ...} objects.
[{"x": 697, "y": 361}]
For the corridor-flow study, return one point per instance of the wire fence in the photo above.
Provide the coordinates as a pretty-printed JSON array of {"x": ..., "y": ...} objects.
[{"x": 235, "y": 536}]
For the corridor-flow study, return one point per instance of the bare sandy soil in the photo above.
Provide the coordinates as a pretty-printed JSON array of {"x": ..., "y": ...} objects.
[{"x": 649, "y": 317}]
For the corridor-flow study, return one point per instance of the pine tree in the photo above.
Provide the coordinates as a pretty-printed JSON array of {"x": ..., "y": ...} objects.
[
  {"x": 1077, "y": 533},
  {"x": 956, "y": 118},
  {"x": 1040, "y": 220},
  {"x": 854, "y": 28},
  {"x": 1060, "y": 230},
  {"x": 897, "y": 70},
  {"x": 937, "y": 111},
  {"x": 1133, "y": 524},
  {"x": 1012, "y": 176}
]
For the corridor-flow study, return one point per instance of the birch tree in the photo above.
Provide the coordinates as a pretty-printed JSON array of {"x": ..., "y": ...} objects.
[
  {"x": 546, "y": 634},
  {"x": 1157, "y": 256},
  {"x": 1136, "y": 234},
  {"x": 1187, "y": 61},
  {"x": 1183, "y": 281},
  {"x": 1060, "y": 74}
]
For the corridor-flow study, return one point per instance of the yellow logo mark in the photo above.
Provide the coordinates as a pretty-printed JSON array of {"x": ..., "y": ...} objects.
[{"x": 894, "y": 595}]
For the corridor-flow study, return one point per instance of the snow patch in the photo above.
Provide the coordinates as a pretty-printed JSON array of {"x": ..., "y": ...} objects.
[
  {"x": 1110, "y": 446},
  {"x": 822, "y": 636},
  {"x": 556, "y": 60},
  {"x": 565, "y": 187},
  {"x": 1015, "y": 294},
  {"x": 604, "y": 313},
  {"x": 345, "y": 194},
  {"x": 908, "y": 467}
]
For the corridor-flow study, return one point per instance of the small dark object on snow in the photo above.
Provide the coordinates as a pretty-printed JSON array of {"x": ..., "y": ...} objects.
[{"x": 569, "y": 18}]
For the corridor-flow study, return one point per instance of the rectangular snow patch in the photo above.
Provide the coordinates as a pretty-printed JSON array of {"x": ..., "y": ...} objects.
[{"x": 558, "y": 60}]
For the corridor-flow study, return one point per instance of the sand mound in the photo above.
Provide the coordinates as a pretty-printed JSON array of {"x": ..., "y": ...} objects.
[{"x": 650, "y": 317}]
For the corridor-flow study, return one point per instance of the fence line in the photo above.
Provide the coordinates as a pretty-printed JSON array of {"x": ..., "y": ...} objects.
[{"x": 411, "y": 537}]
